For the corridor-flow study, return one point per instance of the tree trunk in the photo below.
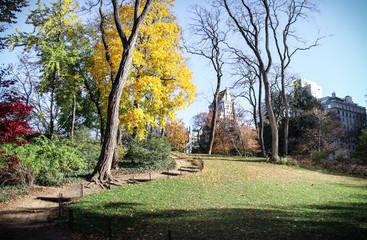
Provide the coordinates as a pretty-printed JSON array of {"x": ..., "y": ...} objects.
[
  {"x": 215, "y": 102},
  {"x": 261, "y": 122},
  {"x": 102, "y": 171},
  {"x": 115, "y": 154},
  {"x": 273, "y": 122},
  {"x": 286, "y": 123},
  {"x": 73, "y": 118},
  {"x": 52, "y": 104},
  {"x": 213, "y": 123},
  {"x": 95, "y": 99}
]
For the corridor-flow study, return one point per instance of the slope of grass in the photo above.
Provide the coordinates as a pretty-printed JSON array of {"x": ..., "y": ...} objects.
[{"x": 233, "y": 198}]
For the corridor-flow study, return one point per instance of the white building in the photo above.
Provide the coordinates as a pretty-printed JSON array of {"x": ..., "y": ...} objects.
[
  {"x": 311, "y": 88},
  {"x": 193, "y": 141}
]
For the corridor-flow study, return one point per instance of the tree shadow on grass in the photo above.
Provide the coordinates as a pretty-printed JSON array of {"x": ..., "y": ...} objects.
[
  {"x": 244, "y": 159},
  {"x": 133, "y": 221}
]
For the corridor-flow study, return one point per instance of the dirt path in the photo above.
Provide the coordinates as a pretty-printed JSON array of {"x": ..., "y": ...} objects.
[{"x": 31, "y": 218}]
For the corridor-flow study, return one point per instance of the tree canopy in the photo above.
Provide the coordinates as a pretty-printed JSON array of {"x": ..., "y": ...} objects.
[{"x": 159, "y": 82}]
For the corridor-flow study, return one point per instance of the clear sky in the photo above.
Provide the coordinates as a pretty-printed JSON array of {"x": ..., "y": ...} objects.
[{"x": 339, "y": 65}]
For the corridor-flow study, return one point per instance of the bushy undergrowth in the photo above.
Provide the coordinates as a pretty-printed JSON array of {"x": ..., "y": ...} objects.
[
  {"x": 318, "y": 156},
  {"x": 351, "y": 167},
  {"x": 151, "y": 154},
  {"x": 51, "y": 161},
  {"x": 289, "y": 161}
]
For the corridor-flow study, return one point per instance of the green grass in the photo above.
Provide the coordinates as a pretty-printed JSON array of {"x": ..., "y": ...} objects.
[{"x": 233, "y": 198}]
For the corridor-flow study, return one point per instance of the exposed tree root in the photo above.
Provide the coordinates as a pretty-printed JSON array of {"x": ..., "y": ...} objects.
[{"x": 104, "y": 183}]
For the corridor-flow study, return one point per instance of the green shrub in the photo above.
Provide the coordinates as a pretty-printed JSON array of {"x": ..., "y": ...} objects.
[
  {"x": 85, "y": 148},
  {"x": 150, "y": 154},
  {"x": 49, "y": 160}
]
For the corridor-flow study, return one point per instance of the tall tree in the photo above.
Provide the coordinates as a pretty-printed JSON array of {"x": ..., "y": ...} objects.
[
  {"x": 247, "y": 71},
  {"x": 250, "y": 19},
  {"x": 284, "y": 16},
  {"x": 102, "y": 170},
  {"x": 210, "y": 46},
  {"x": 159, "y": 82},
  {"x": 53, "y": 39}
]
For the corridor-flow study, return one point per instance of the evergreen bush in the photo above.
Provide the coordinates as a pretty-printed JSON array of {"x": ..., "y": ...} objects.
[
  {"x": 150, "y": 154},
  {"x": 49, "y": 161}
]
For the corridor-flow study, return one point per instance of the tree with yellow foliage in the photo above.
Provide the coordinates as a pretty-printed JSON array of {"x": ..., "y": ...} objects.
[
  {"x": 159, "y": 82},
  {"x": 102, "y": 171},
  {"x": 176, "y": 133},
  {"x": 156, "y": 85}
]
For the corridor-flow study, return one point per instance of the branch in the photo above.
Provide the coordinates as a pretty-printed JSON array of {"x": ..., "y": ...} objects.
[{"x": 120, "y": 30}]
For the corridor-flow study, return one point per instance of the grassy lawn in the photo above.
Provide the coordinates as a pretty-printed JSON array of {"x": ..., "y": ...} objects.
[{"x": 233, "y": 198}]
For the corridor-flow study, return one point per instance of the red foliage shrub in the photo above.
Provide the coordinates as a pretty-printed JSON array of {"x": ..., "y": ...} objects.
[{"x": 13, "y": 121}]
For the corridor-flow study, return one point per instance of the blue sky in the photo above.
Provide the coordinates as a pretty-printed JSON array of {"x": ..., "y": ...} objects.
[{"x": 339, "y": 65}]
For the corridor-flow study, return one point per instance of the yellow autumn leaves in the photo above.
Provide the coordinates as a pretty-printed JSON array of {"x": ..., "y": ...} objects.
[{"x": 159, "y": 83}]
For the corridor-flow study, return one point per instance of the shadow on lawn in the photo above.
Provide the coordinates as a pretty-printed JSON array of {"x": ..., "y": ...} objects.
[
  {"x": 247, "y": 160},
  {"x": 133, "y": 221}
]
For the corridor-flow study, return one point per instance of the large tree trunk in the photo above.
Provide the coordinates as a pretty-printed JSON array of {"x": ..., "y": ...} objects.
[
  {"x": 102, "y": 171},
  {"x": 272, "y": 119},
  {"x": 261, "y": 122},
  {"x": 115, "y": 154}
]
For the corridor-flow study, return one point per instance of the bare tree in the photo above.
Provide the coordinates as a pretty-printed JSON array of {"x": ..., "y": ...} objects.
[
  {"x": 250, "y": 19},
  {"x": 248, "y": 72},
  {"x": 207, "y": 27},
  {"x": 26, "y": 76},
  {"x": 284, "y": 16},
  {"x": 102, "y": 171}
]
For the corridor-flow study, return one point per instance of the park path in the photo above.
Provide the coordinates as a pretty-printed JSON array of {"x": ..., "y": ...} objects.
[{"x": 31, "y": 218}]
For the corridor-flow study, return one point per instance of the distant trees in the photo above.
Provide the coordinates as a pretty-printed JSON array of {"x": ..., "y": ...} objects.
[
  {"x": 233, "y": 136},
  {"x": 268, "y": 31},
  {"x": 311, "y": 128},
  {"x": 176, "y": 133}
]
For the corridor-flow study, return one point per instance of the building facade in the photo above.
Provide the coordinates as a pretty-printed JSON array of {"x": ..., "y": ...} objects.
[
  {"x": 226, "y": 105},
  {"x": 193, "y": 141},
  {"x": 226, "y": 109},
  {"x": 310, "y": 87},
  {"x": 352, "y": 117}
]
